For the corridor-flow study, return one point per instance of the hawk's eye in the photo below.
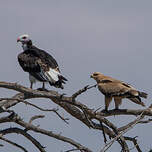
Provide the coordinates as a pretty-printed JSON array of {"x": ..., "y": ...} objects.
[
  {"x": 24, "y": 37},
  {"x": 95, "y": 74}
]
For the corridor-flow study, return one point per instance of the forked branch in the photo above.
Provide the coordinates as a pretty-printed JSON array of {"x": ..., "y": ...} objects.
[{"x": 76, "y": 109}]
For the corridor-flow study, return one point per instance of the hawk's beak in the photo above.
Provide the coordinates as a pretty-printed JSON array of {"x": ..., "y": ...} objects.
[
  {"x": 91, "y": 76},
  {"x": 18, "y": 40}
]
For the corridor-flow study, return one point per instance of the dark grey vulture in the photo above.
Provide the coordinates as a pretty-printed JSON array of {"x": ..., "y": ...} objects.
[{"x": 40, "y": 65}]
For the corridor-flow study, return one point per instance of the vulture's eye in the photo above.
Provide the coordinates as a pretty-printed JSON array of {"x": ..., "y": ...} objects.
[{"x": 24, "y": 37}]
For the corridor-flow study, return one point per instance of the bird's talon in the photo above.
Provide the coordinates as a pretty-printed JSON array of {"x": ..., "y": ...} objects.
[
  {"x": 42, "y": 89},
  {"x": 104, "y": 110},
  {"x": 116, "y": 109},
  {"x": 61, "y": 96}
]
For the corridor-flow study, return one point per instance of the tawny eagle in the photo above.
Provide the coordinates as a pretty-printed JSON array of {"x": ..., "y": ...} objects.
[{"x": 113, "y": 88}]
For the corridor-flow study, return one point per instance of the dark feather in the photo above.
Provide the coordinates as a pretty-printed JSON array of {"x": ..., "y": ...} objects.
[
  {"x": 137, "y": 100},
  {"x": 62, "y": 78},
  {"x": 29, "y": 64},
  {"x": 143, "y": 94},
  {"x": 37, "y": 62},
  {"x": 44, "y": 56},
  {"x": 105, "y": 81},
  {"x": 126, "y": 85}
]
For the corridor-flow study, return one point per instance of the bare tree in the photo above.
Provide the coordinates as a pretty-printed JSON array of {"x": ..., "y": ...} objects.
[{"x": 95, "y": 119}]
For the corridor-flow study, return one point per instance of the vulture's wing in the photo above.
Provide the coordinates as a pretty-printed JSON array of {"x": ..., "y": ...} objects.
[{"x": 31, "y": 64}]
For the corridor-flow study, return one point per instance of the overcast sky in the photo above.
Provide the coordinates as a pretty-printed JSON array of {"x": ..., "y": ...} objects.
[{"x": 112, "y": 37}]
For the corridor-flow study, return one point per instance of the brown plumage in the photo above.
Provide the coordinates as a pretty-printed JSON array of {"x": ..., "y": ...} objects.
[{"x": 113, "y": 88}]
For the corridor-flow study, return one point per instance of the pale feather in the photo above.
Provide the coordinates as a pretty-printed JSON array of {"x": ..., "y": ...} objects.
[{"x": 52, "y": 75}]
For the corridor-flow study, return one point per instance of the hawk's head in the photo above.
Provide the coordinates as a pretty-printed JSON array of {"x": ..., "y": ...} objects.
[{"x": 96, "y": 76}]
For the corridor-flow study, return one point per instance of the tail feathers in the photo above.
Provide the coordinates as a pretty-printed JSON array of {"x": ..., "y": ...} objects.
[
  {"x": 60, "y": 82},
  {"x": 143, "y": 94},
  {"x": 55, "y": 78},
  {"x": 57, "y": 84},
  {"x": 137, "y": 100},
  {"x": 63, "y": 78}
]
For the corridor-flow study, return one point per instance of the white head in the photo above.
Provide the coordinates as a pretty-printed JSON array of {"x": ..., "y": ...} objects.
[{"x": 23, "y": 39}]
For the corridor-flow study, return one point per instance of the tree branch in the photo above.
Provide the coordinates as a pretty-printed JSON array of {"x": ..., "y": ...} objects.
[
  {"x": 25, "y": 134},
  {"x": 134, "y": 140},
  {"x": 74, "y": 96},
  {"x": 35, "y": 117},
  {"x": 73, "y": 107},
  {"x": 13, "y": 143},
  {"x": 131, "y": 125},
  {"x": 29, "y": 126}
]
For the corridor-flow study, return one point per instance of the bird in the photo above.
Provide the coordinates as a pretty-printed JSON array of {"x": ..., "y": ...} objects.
[
  {"x": 113, "y": 88},
  {"x": 40, "y": 65}
]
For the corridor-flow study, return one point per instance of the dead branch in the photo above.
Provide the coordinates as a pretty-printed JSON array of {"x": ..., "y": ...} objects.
[
  {"x": 74, "y": 96},
  {"x": 25, "y": 134},
  {"x": 131, "y": 125},
  {"x": 133, "y": 112},
  {"x": 29, "y": 126},
  {"x": 103, "y": 132},
  {"x": 76, "y": 109},
  {"x": 35, "y": 117},
  {"x": 46, "y": 110},
  {"x": 145, "y": 121},
  {"x": 134, "y": 140},
  {"x": 74, "y": 150},
  {"x": 13, "y": 143}
]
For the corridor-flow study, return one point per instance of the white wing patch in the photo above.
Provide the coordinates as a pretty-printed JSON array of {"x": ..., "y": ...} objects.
[{"x": 52, "y": 75}]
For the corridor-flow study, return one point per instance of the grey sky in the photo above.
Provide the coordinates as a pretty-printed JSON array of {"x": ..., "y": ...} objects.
[{"x": 113, "y": 37}]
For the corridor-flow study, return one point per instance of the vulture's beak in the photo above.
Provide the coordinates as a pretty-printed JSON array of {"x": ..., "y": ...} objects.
[{"x": 18, "y": 40}]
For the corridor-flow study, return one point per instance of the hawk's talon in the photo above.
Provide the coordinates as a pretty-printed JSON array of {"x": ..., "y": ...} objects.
[
  {"x": 116, "y": 109},
  {"x": 104, "y": 111}
]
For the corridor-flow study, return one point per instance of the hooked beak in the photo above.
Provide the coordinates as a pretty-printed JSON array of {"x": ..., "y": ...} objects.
[
  {"x": 18, "y": 40},
  {"x": 91, "y": 76}
]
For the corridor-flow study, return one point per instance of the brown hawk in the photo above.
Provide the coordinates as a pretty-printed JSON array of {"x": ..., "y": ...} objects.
[{"x": 113, "y": 88}]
